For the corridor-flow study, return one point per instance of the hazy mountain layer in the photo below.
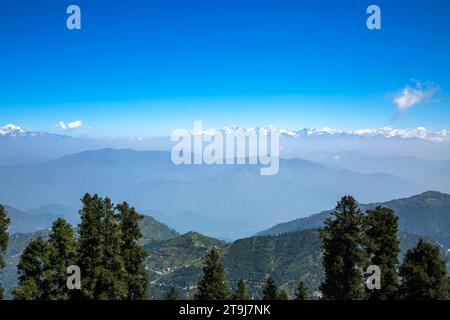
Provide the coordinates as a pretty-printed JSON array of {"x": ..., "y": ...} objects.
[{"x": 236, "y": 194}]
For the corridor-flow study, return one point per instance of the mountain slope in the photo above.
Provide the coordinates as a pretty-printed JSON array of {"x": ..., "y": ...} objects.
[
  {"x": 289, "y": 258},
  {"x": 427, "y": 214},
  {"x": 178, "y": 262},
  {"x": 22, "y": 222},
  {"x": 154, "y": 231}
]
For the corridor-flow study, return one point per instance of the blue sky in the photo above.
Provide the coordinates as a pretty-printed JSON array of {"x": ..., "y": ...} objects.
[{"x": 142, "y": 68}]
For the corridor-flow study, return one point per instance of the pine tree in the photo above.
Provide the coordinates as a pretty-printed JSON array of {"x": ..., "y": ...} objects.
[
  {"x": 62, "y": 255},
  {"x": 270, "y": 291},
  {"x": 172, "y": 295},
  {"x": 383, "y": 248},
  {"x": 132, "y": 253},
  {"x": 4, "y": 237},
  {"x": 107, "y": 252},
  {"x": 423, "y": 273},
  {"x": 241, "y": 292},
  {"x": 43, "y": 265},
  {"x": 112, "y": 281},
  {"x": 302, "y": 293},
  {"x": 283, "y": 295},
  {"x": 99, "y": 254},
  {"x": 90, "y": 251},
  {"x": 213, "y": 285},
  {"x": 343, "y": 251},
  {"x": 34, "y": 272}
]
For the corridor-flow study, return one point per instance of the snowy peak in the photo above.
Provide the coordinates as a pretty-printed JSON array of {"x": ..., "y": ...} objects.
[
  {"x": 419, "y": 132},
  {"x": 386, "y": 132},
  {"x": 12, "y": 130}
]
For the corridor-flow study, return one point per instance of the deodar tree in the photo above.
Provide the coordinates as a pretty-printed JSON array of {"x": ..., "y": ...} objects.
[
  {"x": 213, "y": 285},
  {"x": 344, "y": 256},
  {"x": 4, "y": 237}
]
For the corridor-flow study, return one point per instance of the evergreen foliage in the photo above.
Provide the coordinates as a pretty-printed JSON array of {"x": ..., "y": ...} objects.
[
  {"x": 423, "y": 273},
  {"x": 132, "y": 253},
  {"x": 302, "y": 293},
  {"x": 241, "y": 292},
  {"x": 270, "y": 290},
  {"x": 283, "y": 295},
  {"x": 213, "y": 285},
  {"x": 4, "y": 237},
  {"x": 172, "y": 295},
  {"x": 344, "y": 256},
  {"x": 383, "y": 247},
  {"x": 106, "y": 251}
]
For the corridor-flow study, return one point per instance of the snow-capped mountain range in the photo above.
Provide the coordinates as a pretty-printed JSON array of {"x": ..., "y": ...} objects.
[
  {"x": 12, "y": 130},
  {"x": 443, "y": 135},
  {"x": 387, "y": 132}
]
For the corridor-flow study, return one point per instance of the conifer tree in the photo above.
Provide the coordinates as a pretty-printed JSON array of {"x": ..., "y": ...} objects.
[
  {"x": 107, "y": 252},
  {"x": 99, "y": 254},
  {"x": 423, "y": 273},
  {"x": 283, "y": 295},
  {"x": 344, "y": 257},
  {"x": 34, "y": 272},
  {"x": 90, "y": 250},
  {"x": 132, "y": 253},
  {"x": 43, "y": 265},
  {"x": 241, "y": 292},
  {"x": 270, "y": 291},
  {"x": 383, "y": 248},
  {"x": 213, "y": 285},
  {"x": 62, "y": 255},
  {"x": 172, "y": 295},
  {"x": 112, "y": 281},
  {"x": 4, "y": 237},
  {"x": 302, "y": 293}
]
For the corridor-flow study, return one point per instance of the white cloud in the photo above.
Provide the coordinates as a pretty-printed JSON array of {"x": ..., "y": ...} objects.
[
  {"x": 411, "y": 96},
  {"x": 75, "y": 124},
  {"x": 71, "y": 125},
  {"x": 61, "y": 125}
]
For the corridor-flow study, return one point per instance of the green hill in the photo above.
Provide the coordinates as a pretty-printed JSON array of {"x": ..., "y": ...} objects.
[
  {"x": 288, "y": 257},
  {"x": 153, "y": 231},
  {"x": 176, "y": 260},
  {"x": 178, "y": 263}
]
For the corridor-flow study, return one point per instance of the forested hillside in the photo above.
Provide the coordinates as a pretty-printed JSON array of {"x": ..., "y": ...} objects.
[{"x": 427, "y": 214}]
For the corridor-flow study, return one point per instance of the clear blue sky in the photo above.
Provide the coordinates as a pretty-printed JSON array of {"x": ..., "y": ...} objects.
[{"x": 143, "y": 68}]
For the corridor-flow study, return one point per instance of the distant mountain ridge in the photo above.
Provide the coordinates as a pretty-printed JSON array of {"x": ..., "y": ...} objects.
[
  {"x": 237, "y": 193},
  {"x": 387, "y": 132},
  {"x": 22, "y": 222},
  {"x": 27, "y": 146}
]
